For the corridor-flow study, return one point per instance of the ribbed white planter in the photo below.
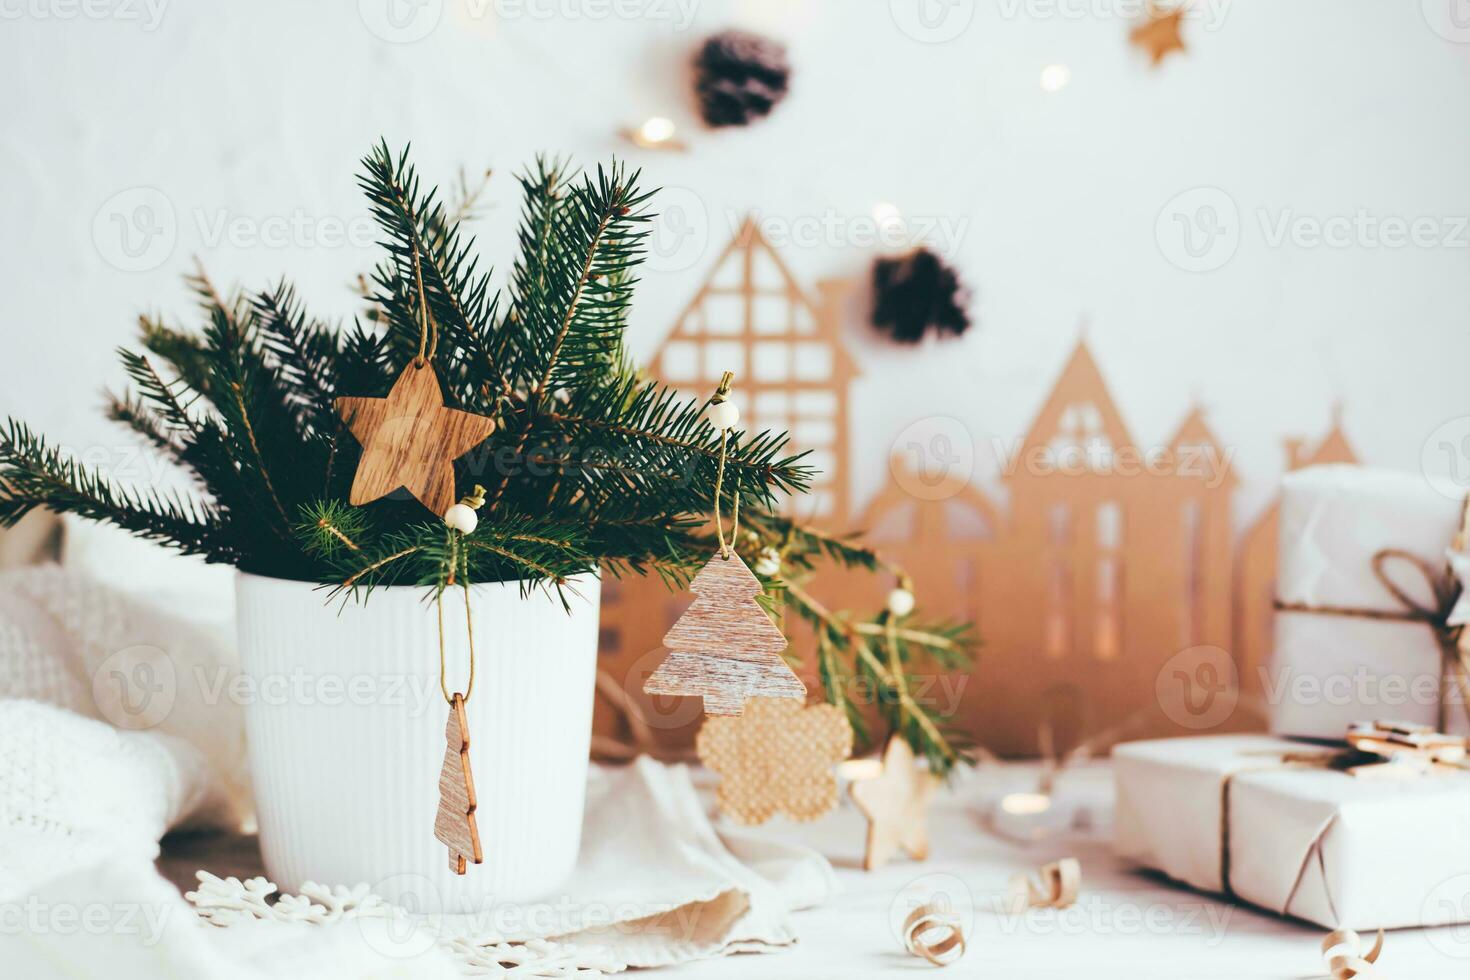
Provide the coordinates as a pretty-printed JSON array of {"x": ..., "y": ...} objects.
[{"x": 345, "y": 722}]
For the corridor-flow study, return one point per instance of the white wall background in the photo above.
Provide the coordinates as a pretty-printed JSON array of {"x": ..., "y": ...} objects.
[{"x": 239, "y": 125}]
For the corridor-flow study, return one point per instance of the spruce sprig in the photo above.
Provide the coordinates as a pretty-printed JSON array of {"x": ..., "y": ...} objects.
[
  {"x": 590, "y": 465},
  {"x": 587, "y": 467}
]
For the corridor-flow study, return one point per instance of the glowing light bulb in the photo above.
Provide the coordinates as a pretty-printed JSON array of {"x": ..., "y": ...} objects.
[
  {"x": 657, "y": 129},
  {"x": 1054, "y": 78},
  {"x": 889, "y": 220}
]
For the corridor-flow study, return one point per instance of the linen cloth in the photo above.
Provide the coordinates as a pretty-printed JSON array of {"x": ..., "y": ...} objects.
[{"x": 656, "y": 884}]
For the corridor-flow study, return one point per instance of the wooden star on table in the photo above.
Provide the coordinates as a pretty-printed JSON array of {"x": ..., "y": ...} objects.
[
  {"x": 896, "y": 804},
  {"x": 1159, "y": 35},
  {"x": 410, "y": 440}
]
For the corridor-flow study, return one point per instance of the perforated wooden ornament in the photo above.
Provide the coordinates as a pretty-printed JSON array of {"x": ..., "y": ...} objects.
[{"x": 776, "y": 757}]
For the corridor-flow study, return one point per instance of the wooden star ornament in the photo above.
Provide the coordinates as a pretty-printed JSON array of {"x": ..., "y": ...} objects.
[
  {"x": 896, "y": 804},
  {"x": 1159, "y": 35},
  {"x": 410, "y": 440}
]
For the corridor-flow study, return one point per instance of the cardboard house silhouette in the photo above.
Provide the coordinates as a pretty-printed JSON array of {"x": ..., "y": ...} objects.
[{"x": 1106, "y": 559}]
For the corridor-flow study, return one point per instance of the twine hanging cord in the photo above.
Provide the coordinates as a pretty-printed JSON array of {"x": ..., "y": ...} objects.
[
  {"x": 720, "y": 395},
  {"x": 469, "y": 625},
  {"x": 475, "y": 501},
  {"x": 428, "y": 330}
]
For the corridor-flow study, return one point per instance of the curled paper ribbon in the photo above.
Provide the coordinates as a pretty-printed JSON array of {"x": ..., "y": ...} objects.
[
  {"x": 933, "y": 932},
  {"x": 1343, "y": 951},
  {"x": 1056, "y": 886}
]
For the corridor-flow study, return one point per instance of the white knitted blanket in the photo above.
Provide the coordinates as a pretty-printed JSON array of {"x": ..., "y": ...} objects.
[{"x": 108, "y": 733}]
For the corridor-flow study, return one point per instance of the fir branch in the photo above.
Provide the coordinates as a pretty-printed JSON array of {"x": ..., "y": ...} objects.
[
  {"x": 427, "y": 250},
  {"x": 906, "y": 715},
  {"x": 186, "y": 354},
  {"x": 237, "y": 390},
  {"x": 133, "y": 412},
  {"x": 34, "y": 474},
  {"x": 574, "y": 329},
  {"x": 328, "y": 526},
  {"x": 305, "y": 354}
]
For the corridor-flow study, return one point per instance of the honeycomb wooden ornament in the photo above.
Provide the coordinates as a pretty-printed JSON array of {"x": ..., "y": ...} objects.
[
  {"x": 896, "y": 803},
  {"x": 725, "y": 648},
  {"x": 455, "y": 822},
  {"x": 410, "y": 440},
  {"x": 776, "y": 757}
]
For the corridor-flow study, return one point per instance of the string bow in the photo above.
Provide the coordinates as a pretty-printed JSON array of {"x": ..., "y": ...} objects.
[
  {"x": 1445, "y": 615},
  {"x": 1441, "y": 617}
]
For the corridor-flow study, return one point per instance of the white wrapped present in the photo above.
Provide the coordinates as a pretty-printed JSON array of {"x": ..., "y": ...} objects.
[
  {"x": 1364, "y": 598},
  {"x": 1230, "y": 814}
]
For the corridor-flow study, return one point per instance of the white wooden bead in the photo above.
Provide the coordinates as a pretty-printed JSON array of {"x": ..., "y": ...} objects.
[
  {"x": 900, "y": 602},
  {"x": 724, "y": 415},
  {"x": 462, "y": 517},
  {"x": 767, "y": 562}
]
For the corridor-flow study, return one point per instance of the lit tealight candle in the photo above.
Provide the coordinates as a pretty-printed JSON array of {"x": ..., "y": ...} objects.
[{"x": 1026, "y": 804}]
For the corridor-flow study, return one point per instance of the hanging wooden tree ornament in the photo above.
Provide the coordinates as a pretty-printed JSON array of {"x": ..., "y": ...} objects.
[
  {"x": 454, "y": 824},
  {"x": 409, "y": 439},
  {"x": 725, "y": 648},
  {"x": 777, "y": 757},
  {"x": 896, "y": 803}
]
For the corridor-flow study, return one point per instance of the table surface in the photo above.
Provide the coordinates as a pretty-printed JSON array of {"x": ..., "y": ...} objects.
[{"x": 1127, "y": 923}]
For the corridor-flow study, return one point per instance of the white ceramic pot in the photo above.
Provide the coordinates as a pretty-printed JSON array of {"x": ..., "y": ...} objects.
[{"x": 345, "y": 721}]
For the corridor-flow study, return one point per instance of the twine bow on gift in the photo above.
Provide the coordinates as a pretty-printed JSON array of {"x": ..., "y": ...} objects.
[{"x": 1446, "y": 617}]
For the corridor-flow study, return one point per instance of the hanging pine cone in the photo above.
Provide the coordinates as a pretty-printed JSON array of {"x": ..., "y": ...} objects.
[
  {"x": 740, "y": 77},
  {"x": 916, "y": 293}
]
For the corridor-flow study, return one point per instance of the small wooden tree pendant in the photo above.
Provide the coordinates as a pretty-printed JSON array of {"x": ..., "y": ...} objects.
[
  {"x": 410, "y": 440},
  {"x": 725, "y": 648},
  {"x": 455, "y": 822}
]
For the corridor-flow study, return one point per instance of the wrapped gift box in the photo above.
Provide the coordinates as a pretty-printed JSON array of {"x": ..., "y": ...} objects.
[
  {"x": 1229, "y": 814},
  {"x": 1330, "y": 669}
]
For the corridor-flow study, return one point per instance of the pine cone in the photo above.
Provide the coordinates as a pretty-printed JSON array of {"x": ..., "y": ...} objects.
[
  {"x": 740, "y": 77},
  {"x": 915, "y": 293}
]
